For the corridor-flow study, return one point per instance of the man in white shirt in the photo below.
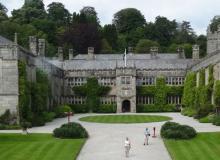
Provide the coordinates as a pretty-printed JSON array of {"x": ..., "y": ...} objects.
[{"x": 127, "y": 147}]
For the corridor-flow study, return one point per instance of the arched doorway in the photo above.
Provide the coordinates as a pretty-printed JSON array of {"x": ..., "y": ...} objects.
[{"x": 126, "y": 106}]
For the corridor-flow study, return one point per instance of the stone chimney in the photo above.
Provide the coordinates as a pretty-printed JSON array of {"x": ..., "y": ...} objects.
[
  {"x": 60, "y": 53},
  {"x": 16, "y": 38},
  {"x": 41, "y": 47},
  {"x": 130, "y": 50},
  {"x": 181, "y": 53},
  {"x": 195, "y": 53},
  {"x": 154, "y": 52},
  {"x": 91, "y": 55},
  {"x": 33, "y": 44},
  {"x": 70, "y": 54}
]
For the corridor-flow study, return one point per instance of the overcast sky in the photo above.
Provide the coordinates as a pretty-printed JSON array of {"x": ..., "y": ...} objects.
[{"x": 198, "y": 12}]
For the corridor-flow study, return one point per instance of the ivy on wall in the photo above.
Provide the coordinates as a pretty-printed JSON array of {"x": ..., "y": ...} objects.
[
  {"x": 33, "y": 96},
  {"x": 217, "y": 93},
  {"x": 189, "y": 90},
  {"x": 160, "y": 92},
  {"x": 92, "y": 91}
]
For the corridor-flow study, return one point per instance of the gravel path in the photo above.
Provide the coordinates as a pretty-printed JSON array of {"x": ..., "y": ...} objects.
[{"x": 106, "y": 141}]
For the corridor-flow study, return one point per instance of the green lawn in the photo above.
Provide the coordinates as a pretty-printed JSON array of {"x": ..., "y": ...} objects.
[
  {"x": 206, "y": 146},
  {"x": 38, "y": 147},
  {"x": 125, "y": 118}
]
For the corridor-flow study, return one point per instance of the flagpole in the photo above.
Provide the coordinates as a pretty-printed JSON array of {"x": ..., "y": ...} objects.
[{"x": 125, "y": 59}]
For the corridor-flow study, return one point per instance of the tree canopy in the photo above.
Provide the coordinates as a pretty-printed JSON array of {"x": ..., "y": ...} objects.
[{"x": 129, "y": 28}]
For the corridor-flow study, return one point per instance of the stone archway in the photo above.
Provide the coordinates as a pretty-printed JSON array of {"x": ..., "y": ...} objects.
[{"x": 126, "y": 106}]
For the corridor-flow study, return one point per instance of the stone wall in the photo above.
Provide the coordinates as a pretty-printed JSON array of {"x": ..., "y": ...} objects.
[{"x": 8, "y": 78}]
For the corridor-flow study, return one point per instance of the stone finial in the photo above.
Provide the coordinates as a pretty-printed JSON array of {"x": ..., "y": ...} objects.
[
  {"x": 60, "y": 53},
  {"x": 154, "y": 52},
  {"x": 70, "y": 54},
  {"x": 181, "y": 52},
  {"x": 41, "y": 47},
  {"x": 195, "y": 53},
  {"x": 130, "y": 49},
  {"x": 16, "y": 38},
  {"x": 91, "y": 55},
  {"x": 218, "y": 28},
  {"x": 33, "y": 44}
]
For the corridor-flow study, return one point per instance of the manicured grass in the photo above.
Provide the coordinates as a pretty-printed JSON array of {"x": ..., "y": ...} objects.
[
  {"x": 206, "y": 146},
  {"x": 38, "y": 147},
  {"x": 125, "y": 118}
]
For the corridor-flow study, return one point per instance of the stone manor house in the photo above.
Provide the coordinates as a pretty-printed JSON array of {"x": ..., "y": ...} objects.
[{"x": 123, "y": 72}]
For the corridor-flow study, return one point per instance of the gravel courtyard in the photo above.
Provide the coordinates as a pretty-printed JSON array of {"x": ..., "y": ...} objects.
[{"x": 106, "y": 141}]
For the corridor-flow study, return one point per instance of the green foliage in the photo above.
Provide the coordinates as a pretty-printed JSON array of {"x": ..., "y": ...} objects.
[
  {"x": 106, "y": 48},
  {"x": 187, "y": 111},
  {"x": 160, "y": 95},
  {"x": 9, "y": 127},
  {"x": 110, "y": 34},
  {"x": 154, "y": 108},
  {"x": 106, "y": 108},
  {"x": 207, "y": 119},
  {"x": 71, "y": 130},
  {"x": 189, "y": 90},
  {"x": 217, "y": 93},
  {"x": 79, "y": 108},
  {"x": 92, "y": 90},
  {"x": 48, "y": 116},
  {"x": 144, "y": 45},
  {"x": 214, "y": 24},
  {"x": 7, "y": 118},
  {"x": 160, "y": 91},
  {"x": 60, "y": 110},
  {"x": 216, "y": 120},
  {"x": 172, "y": 130},
  {"x": 128, "y": 19}
]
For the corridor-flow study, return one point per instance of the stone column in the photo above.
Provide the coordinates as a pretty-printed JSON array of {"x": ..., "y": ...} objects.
[
  {"x": 33, "y": 44},
  {"x": 60, "y": 53},
  {"x": 70, "y": 54},
  {"x": 41, "y": 47},
  {"x": 195, "y": 53},
  {"x": 154, "y": 52},
  {"x": 91, "y": 55}
]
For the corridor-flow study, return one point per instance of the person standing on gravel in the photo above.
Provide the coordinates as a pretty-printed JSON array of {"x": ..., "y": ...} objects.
[
  {"x": 147, "y": 135},
  {"x": 127, "y": 147}
]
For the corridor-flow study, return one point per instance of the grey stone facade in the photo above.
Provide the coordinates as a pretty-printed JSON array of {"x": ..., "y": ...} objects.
[{"x": 123, "y": 72}]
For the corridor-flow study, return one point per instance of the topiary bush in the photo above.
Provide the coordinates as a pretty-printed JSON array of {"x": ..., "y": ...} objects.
[
  {"x": 60, "y": 110},
  {"x": 172, "y": 130},
  {"x": 71, "y": 130},
  {"x": 204, "y": 110}
]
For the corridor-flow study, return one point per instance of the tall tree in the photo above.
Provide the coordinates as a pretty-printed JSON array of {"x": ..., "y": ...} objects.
[
  {"x": 144, "y": 45},
  {"x": 128, "y": 19},
  {"x": 3, "y": 12},
  {"x": 111, "y": 35},
  {"x": 164, "y": 30},
  {"x": 185, "y": 33},
  {"x": 30, "y": 11},
  {"x": 58, "y": 13},
  {"x": 90, "y": 13}
]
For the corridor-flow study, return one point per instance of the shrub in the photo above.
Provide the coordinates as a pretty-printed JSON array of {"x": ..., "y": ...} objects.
[
  {"x": 216, "y": 120},
  {"x": 60, "y": 110},
  {"x": 25, "y": 125},
  {"x": 207, "y": 119},
  {"x": 71, "y": 130},
  {"x": 172, "y": 130},
  {"x": 9, "y": 127},
  {"x": 48, "y": 116},
  {"x": 7, "y": 118},
  {"x": 79, "y": 108},
  {"x": 106, "y": 108},
  {"x": 204, "y": 110},
  {"x": 188, "y": 112},
  {"x": 155, "y": 108},
  {"x": 37, "y": 120}
]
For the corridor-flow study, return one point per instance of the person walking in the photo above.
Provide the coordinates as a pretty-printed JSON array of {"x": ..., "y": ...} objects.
[
  {"x": 127, "y": 147},
  {"x": 147, "y": 135}
]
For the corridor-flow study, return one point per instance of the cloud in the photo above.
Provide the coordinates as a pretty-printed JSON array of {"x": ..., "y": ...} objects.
[{"x": 198, "y": 12}]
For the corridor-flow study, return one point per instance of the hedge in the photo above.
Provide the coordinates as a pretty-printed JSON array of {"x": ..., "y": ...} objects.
[{"x": 154, "y": 108}]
